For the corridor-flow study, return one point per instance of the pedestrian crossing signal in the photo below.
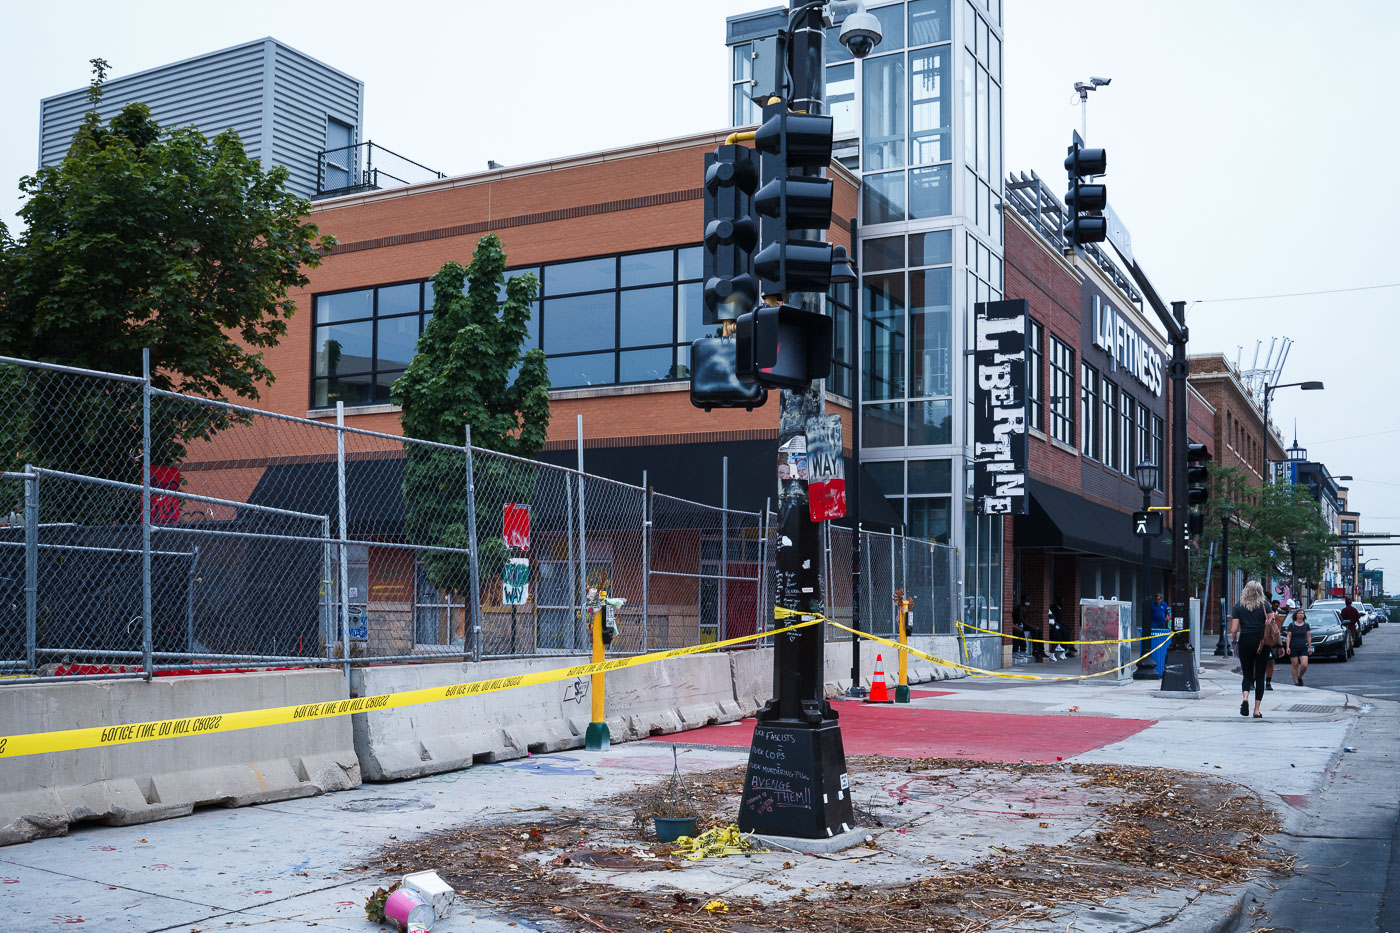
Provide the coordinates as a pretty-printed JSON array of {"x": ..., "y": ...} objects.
[{"x": 1147, "y": 524}]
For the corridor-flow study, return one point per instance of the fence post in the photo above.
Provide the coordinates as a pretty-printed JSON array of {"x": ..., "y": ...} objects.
[
  {"x": 572, "y": 641},
  {"x": 582, "y": 531},
  {"x": 31, "y": 567},
  {"x": 646, "y": 561},
  {"x": 344, "y": 587},
  {"x": 473, "y": 567},
  {"x": 327, "y": 586},
  {"x": 722, "y": 612},
  {"x": 761, "y": 623},
  {"x": 146, "y": 662},
  {"x": 189, "y": 601}
]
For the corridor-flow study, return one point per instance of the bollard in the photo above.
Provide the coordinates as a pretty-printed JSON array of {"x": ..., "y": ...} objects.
[
  {"x": 596, "y": 739},
  {"x": 901, "y": 690}
]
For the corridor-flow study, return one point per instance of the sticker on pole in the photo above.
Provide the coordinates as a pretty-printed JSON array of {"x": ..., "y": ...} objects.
[
  {"x": 515, "y": 522},
  {"x": 792, "y": 459},
  {"x": 515, "y": 582},
  {"x": 826, "y": 483}
]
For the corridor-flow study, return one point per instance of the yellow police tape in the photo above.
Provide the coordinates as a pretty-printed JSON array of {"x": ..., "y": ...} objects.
[
  {"x": 780, "y": 613},
  {"x": 1043, "y": 641},
  {"x": 37, "y": 743}
]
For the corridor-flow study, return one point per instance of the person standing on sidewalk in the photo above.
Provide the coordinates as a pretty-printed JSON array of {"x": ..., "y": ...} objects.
[
  {"x": 1298, "y": 639},
  {"x": 1248, "y": 621}
]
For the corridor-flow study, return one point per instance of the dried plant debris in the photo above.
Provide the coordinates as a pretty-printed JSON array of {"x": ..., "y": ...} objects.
[{"x": 1160, "y": 829}]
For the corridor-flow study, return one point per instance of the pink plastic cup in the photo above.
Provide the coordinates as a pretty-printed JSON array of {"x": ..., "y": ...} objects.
[{"x": 406, "y": 906}]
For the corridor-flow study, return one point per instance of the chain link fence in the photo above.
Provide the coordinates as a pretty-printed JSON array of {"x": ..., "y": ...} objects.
[{"x": 144, "y": 531}]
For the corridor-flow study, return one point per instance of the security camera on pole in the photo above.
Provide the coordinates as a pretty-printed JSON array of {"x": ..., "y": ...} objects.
[{"x": 796, "y": 786}]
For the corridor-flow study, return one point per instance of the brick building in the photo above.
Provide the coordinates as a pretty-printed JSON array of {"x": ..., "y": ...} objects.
[{"x": 1099, "y": 403}]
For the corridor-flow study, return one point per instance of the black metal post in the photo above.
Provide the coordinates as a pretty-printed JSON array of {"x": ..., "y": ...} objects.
[
  {"x": 1220, "y": 648},
  {"x": 1146, "y": 668},
  {"x": 808, "y": 794},
  {"x": 1293, "y": 572},
  {"x": 857, "y": 690},
  {"x": 1181, "y": 557}
]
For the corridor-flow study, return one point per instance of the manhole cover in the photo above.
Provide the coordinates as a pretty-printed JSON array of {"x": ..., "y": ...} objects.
[
  {"x": 1312, "y": 708},
  {"x": 384, "y": 805}
]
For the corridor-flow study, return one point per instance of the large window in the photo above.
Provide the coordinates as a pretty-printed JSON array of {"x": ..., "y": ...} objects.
[
  {"x": 1144, "y": 436},
  {"x": 1061, "y": 391},
  {"x": 908, "y": 340},
  {"x": 1157, "y": 452},
  {"x": 363, "y": 340},
  {"x": 921, "y": 492},
  {"x": 1089, "y": 410},
  {"x": 1126, "y": 407},
  {"x": 1035, "y": 374},
  {"x": 601, "y": 321},
  {"x": 1110, "y": 426}
]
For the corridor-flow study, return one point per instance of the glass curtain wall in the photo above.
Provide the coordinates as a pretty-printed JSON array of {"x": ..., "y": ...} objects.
[{"x": 919, "y": 120}]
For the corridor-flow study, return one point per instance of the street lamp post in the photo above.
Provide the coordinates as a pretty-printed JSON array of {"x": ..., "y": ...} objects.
[
  {"x": 1310, "y": 385},
  {"x": 1225, "y": 515},
  {"x": 1146, "y": 475},
  {"x": 1293, "y": 572}
]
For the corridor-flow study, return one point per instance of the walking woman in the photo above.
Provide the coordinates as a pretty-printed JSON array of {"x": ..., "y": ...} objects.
[
  {"x": 1298, "y": 638},
  {"x": 1248, "y": 621}
]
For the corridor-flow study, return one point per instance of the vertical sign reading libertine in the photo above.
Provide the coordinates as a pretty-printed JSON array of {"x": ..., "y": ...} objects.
[{"x": 999, "y": 401}]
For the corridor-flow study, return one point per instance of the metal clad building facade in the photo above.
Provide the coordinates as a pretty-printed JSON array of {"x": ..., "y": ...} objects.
[{"x": 284, "y": 105}]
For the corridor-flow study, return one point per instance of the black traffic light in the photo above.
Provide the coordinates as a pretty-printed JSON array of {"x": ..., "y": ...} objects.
[
  {"x": 1086, "y": 201},
  {"x": 783, "y": 346},
  {"x": 731, "y": 233},
  {"x": 794, "y": 207},
  {"x": 1197, "y": 475},
  {"x": 714, "y": 380},
  {"x": 1196, "y": 524}
]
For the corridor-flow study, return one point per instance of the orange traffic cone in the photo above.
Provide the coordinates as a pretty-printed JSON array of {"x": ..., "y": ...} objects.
[{"x": 879, "y": 689}]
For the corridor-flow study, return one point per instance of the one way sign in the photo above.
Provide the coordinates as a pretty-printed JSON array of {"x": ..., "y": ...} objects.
[{"x": 1147, "y": 524}]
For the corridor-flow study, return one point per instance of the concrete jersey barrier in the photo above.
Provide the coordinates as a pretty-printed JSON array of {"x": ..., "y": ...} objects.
[{"x": 41, "y": 795}]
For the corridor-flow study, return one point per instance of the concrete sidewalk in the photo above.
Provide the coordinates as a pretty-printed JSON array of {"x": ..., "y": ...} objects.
[{"x": 291, "y": 865}]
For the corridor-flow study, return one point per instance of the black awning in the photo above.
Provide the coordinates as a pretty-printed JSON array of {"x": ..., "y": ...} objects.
[
  {"x": 694, "y": 472},
  {"x": 1063, "y": 519}
]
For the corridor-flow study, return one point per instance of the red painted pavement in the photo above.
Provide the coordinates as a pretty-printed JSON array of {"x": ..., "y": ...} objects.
[{"x": 907, "y": 732}]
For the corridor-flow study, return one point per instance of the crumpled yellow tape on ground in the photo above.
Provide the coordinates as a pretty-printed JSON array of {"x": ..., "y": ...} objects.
[
  {"x": 716, "y": 842},
  {"x": 780, "y": 613},
  {"x": 37, "y": 743}
]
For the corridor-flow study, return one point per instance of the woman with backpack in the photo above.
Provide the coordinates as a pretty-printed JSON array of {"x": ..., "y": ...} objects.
[{"x": 1253, "y": 621}]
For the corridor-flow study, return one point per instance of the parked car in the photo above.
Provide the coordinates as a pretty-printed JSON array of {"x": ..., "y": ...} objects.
[
  {"x": 1382, "y": 614},
  {"x": 1329, "y": 636},
  {"x": 1369, "y": 619},
  {"x": 1337, "y": 605}
]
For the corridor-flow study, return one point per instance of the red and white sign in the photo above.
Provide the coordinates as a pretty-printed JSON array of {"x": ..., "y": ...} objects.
[
  {"x": 165, "y": 510},
  {"x": 515, "y": 522},
  {"x": 826, "y": 479}
]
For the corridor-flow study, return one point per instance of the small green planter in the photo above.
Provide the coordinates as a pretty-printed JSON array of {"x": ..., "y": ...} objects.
[{"x": 669, "y": 829}]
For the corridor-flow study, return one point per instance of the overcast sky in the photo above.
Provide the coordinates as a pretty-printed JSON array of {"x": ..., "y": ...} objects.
[{"x": 1250, "y": 143}]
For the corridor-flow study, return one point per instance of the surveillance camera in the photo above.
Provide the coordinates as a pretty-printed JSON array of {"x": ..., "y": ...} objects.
[
  {"x": 860, "y": 33},
  {"x": 1100, "y": 82}
]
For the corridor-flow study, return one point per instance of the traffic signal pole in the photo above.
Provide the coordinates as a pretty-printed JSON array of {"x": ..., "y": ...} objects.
[{"x": 796, "y": 785}]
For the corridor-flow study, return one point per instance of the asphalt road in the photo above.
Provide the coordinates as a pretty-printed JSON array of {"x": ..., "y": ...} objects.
[
  {"x": 1350, "y": 842},
  {"x": 1374, "y": 671}
]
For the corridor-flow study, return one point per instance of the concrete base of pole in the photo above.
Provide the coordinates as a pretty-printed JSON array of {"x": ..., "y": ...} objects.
[
  {"x": 901, "y": 693},
  {"x": 597, "y": 738},
  {"x": 1183, "y": 694}
]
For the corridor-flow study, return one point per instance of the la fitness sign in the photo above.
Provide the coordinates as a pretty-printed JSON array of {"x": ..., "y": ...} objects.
[{"x": 1130, "y": 350}]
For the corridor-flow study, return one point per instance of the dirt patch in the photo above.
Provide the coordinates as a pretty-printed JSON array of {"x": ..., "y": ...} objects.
[{"x": 1155, "y": 829}]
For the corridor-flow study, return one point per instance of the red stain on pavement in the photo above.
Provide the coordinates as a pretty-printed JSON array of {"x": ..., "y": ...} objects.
[
  {"x": 906, "y": 732},
  {"x": 1296, "y": 801}
]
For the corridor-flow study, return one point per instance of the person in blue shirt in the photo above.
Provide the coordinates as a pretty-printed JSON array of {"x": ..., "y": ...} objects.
[{"x": 1161, "y": 613}]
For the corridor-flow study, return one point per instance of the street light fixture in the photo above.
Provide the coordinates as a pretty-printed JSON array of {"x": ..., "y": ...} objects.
[
  {"x": 1227, "y": 514},
  {"x": 1146, "y": 475},
  {"x": 1310, "y": 385}
]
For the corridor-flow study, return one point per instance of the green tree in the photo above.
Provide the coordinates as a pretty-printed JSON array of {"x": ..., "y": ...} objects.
[
  {"x": 144, "y": 237},
  {"x": 468, "y": 370},
  {"x": 1265, "y": 519}
]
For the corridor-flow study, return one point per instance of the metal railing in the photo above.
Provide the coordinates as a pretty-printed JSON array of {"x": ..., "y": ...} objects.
[
  {"x": 352, "y": 169},
  {"x": 143, "y": 531}
]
